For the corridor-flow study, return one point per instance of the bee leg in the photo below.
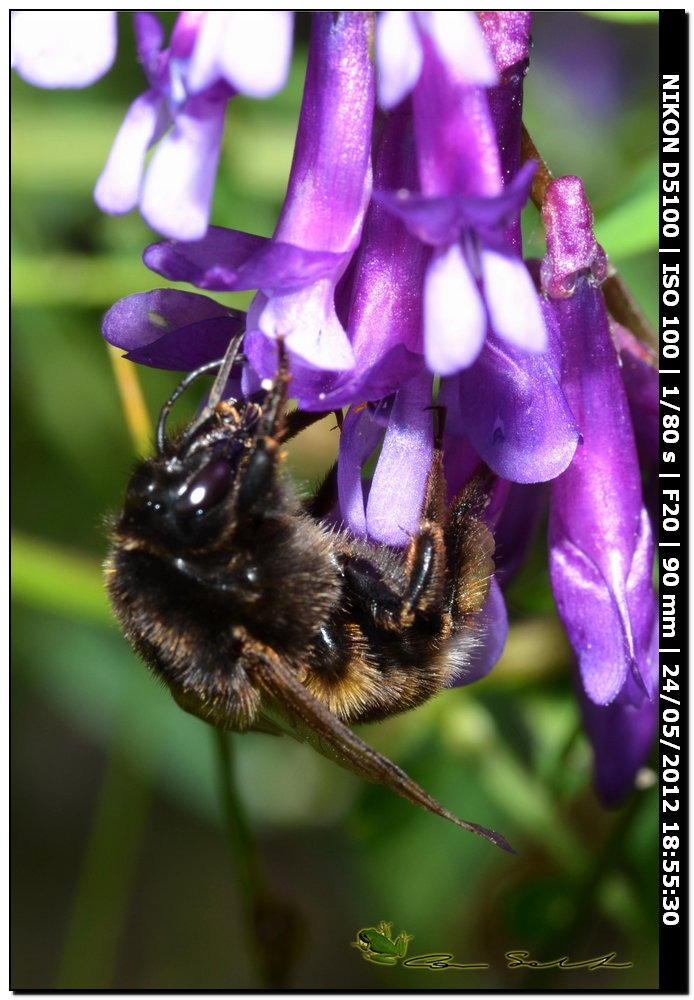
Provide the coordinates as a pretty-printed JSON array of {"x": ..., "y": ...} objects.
[
  {"x": 272, "y": 423},
  {"x": 424, "y": 590},
  {"x": 425, "y": 559},
  {"x": 424, "y": 587},
  {"x": 470, "y": 547},
  {"x": 300, "y": 420}
]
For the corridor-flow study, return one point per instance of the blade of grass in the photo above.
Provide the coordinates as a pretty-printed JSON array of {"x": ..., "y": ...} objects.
[{"x": 132, "y": 401}]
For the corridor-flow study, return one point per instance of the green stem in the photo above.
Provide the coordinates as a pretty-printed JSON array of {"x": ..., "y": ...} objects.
[
  {"x": 241, "y": 847},
  {"x": 272, "y": 926}
]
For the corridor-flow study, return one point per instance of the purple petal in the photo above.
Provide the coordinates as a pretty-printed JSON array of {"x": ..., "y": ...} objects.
[
  {"x": 508, "y": 33},
  {"x": 457, "y": 151},
  {"x": 178, "y": 186},
  {"x": 492, "y": 622},
  {"x": 330, "y": 181},
  {"x": 186, "y": 34},
  {"x": 212, "y": 262},
  {"x": 319, "y": 390},
  {"x": 118, "y": 187},
  {"x": 440, "y": 220},
  {"x": 359, "y": 438},
  {"x": 262, "y": 354},
  {"x": 379, "y": 297},
  {"x": 189, "y": 347},
  {"x": 230, "y": 260},
  {"x": 512, "y": 408},
  {"x": 398, "y": 56},
  {"x": 394, "y": 507},
  {"x": 281, "y": 267},
  {"x": 460, "y": 460},
  {"x": 512, "y": 301},
  {"x": 63, "y": 48},
  {"x": 307, "y": 322},
  {"x": 641, "y": 605},
  {"x": 149, "y": 39},
  {"x": 622, "y": 737},
  {"x": 600, "y": 538},
  {"x": 517, "y": 527},
  {"x": 592, "y": 619},
  {"x": 170, "y": 329},
  {"x": 640, "y": 375},
  {"x": 388, "y": 272},
  {"x": 436, "y": 221},
  {"x": 455, "y": 320}
]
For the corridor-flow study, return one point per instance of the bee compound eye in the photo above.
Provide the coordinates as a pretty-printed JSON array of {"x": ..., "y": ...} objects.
[{"x": 205, "y": 490}]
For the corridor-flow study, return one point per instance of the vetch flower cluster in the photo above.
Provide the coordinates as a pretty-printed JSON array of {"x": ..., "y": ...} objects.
[{"x": 395, "y": 280}]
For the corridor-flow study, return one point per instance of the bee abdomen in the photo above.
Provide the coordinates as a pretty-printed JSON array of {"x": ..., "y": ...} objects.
[{"x": 364, "y": 677}]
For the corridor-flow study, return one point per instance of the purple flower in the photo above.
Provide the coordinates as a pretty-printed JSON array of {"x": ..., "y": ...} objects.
[
  {"x": 183, "y": 111},
  {"x": 321, "y": 219},
  {"x": 63, "y": 48},
  {"x": 475, "y": 278},
  {"x": 601, "y": 549}
]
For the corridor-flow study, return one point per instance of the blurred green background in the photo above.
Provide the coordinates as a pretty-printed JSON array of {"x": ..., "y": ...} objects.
[{"x": 122, "y": 876}]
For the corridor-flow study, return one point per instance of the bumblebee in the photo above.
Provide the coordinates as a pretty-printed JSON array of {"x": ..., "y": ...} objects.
[{"x": 258, "y": 615}]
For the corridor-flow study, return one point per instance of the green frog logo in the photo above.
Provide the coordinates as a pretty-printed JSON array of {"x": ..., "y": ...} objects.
[{"x": 378, "y": 945}]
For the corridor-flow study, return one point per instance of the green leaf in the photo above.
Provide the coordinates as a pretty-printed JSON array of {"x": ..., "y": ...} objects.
[{"x": 632, "y": 227}]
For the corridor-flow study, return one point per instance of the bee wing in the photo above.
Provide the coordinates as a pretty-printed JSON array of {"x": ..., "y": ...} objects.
[
  {"x": 314, "y": 722},
  {"x": 266, "y": 723}
]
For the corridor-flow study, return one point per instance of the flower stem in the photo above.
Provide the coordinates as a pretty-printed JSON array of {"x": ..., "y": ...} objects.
[
  {"x": 272, "y": 926},
  {"x": 618, "y": 298}
]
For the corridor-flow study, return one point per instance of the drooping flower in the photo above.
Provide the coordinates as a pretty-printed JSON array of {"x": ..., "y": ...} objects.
[
  {"x": 462, "y": 210},
  {"x": 321, "y": 219},
  {"x": 63, "y": 48},
  {"x": 601, "y": 547},
  {"x": 508, "y": 403},
  {"x": 183, "y": 112}
]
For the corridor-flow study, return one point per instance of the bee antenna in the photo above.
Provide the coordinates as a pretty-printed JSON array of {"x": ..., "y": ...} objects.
[{"x": 223, "y": 366}]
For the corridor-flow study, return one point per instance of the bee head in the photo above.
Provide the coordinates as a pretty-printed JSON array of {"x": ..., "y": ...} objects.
[{"x": 182, "y": 499}]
